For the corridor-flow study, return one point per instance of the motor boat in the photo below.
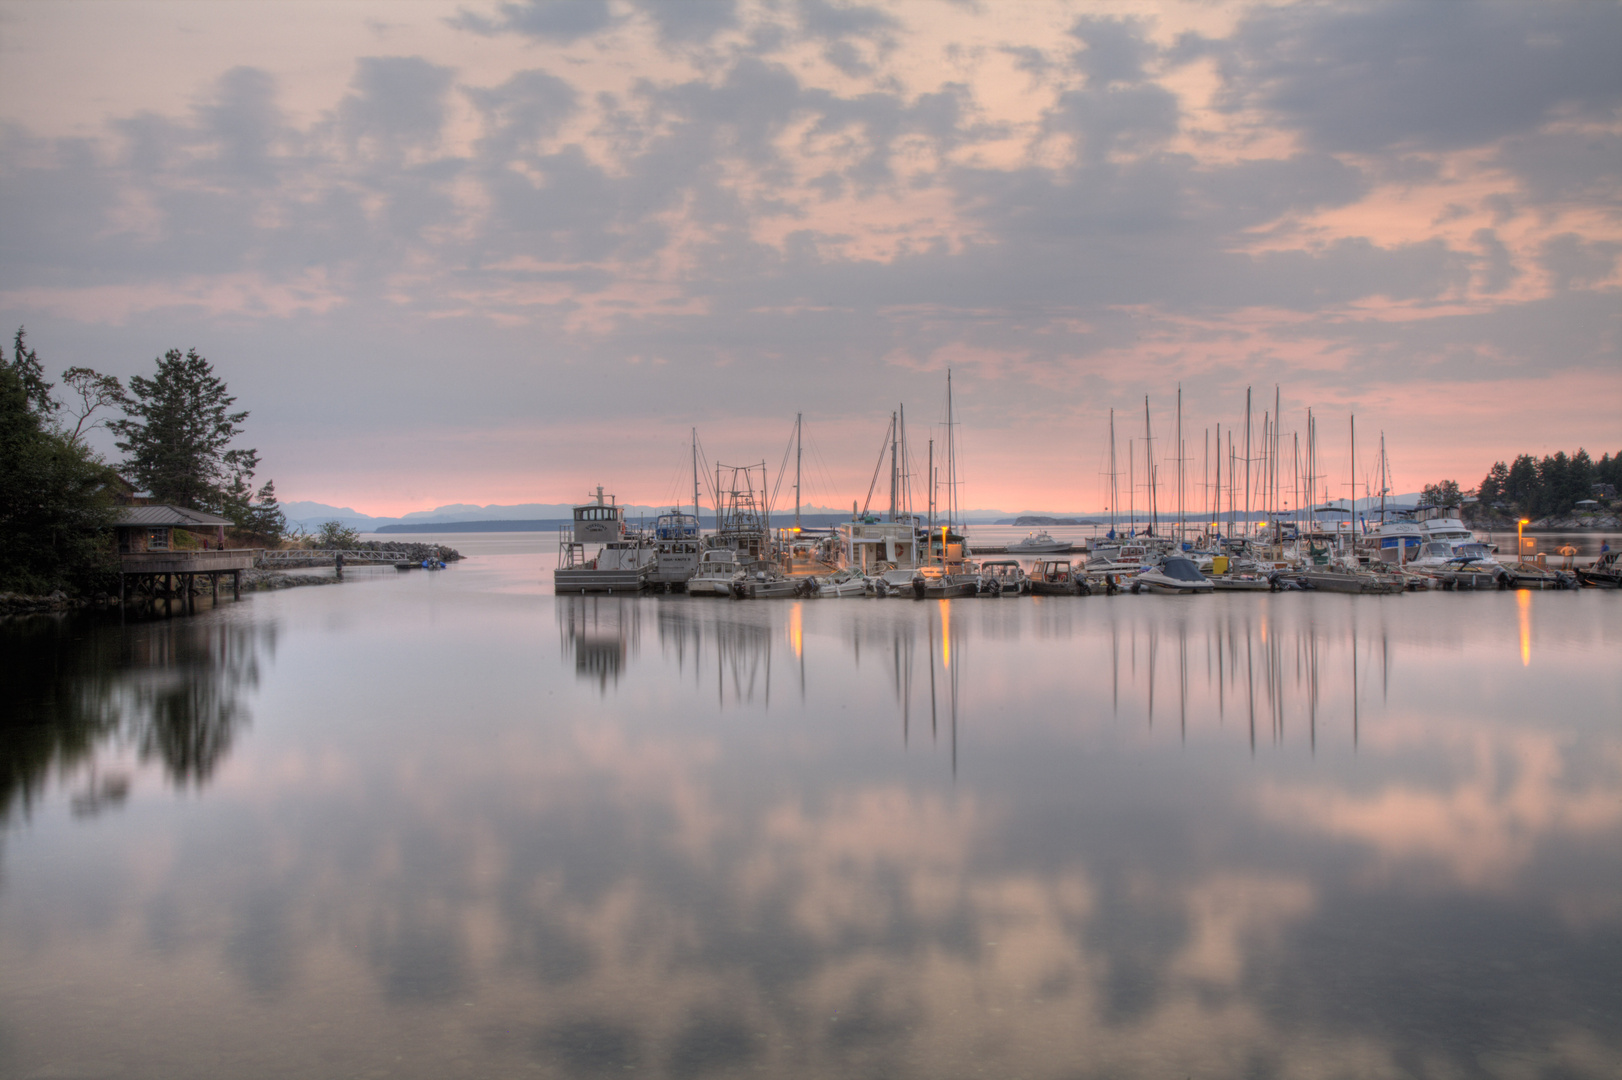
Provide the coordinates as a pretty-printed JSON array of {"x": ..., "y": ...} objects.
[
  {"x": 1039, "y": 543},
  {"x": 1003, "y": 577},
  {"x": 1174, "y": 574},
  {"x": 1348, "y": 576},
  {"x": 1058, "y": 577},
  {"x": 764, "y": 581},
  {"x": 846, "y": 582},
  {"x": 716, "y": 569},
  {"x": 941, "y": 584},
  {"x": 1605, "y": 573}
]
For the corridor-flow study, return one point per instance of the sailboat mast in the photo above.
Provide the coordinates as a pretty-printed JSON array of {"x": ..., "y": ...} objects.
[
  {"x": 1247, "y": 459},
  {"x": 1216, "y": 518},
  {"x": 798, "y": 417},
  {"x": 1149, "y": 466},
  {"x": 1114, "y": 477},
  {"x": 695, "y": 473},
  {"x": 951, "y": 458},
  {"x": 892, "y": 465},
  {"x": 1179, "y": 463},
  {"x": 1351, "y": 508}
]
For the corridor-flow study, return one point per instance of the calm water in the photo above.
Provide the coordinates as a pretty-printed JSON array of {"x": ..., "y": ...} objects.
[{"x": 431, "y": 825}]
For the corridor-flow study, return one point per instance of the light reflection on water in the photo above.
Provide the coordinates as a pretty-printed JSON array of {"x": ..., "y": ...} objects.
[{"x": 475, "y": 829}]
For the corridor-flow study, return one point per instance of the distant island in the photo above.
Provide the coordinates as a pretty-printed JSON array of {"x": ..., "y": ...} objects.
[{"x": 1032, "y": 519}]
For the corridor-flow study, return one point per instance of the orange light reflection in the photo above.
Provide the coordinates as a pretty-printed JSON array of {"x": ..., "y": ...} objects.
[{"x": 1523, "y": 600}]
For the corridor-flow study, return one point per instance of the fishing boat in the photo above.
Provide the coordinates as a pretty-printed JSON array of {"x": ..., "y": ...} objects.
[
  {"x": 622, "y": 564},
  {"x": 1039, "y": 543},
  {"x": 1175, "y": 574},
  {"x": 1003, "y": 577},
  {"x": 677, "y": 547},
  {"x": 1058, "y": 577}
]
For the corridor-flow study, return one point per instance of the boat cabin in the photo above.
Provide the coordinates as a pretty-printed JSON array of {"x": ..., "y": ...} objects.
[
  {"x": 598, "y": 522},
  {"x": 869, "y": 543}
]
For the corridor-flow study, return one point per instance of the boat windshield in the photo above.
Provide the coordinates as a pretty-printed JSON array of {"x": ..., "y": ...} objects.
[
  {"x": 1476, "y": 551},
  {"x": 1181, "y": 569}
]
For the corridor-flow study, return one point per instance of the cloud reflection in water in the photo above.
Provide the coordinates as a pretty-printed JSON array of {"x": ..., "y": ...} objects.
[{"x": 1292, "y": 834}]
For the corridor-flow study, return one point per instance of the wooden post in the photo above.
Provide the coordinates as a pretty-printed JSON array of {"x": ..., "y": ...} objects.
[{"x": 236, "y": 584}]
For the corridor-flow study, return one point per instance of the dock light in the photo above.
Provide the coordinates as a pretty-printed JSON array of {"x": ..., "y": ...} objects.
[{"x": 1520, "y": 544}]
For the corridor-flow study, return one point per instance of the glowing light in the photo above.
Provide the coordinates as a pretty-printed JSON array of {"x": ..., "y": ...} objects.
[
  {"x": 795, "y": 636},
  {"x": 1523, "y": 600},
  {"x": 946, "y": 640}
]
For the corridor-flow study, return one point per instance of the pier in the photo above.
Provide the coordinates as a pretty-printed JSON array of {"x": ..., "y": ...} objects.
[{"x": 150, "y": 576}]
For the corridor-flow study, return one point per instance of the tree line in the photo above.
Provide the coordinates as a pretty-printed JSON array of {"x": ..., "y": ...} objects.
[
  {"x": 1554, "y": 485},
  {"x": 58, "y": 496}
]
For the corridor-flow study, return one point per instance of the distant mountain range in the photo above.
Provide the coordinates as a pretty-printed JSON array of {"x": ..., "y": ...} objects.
[{"x": 311, "y": 515}]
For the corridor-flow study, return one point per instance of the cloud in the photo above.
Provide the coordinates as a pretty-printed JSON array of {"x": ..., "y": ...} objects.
[
  {"x": 554, "y": 20},
  {"x": 1391, "y": 76}
]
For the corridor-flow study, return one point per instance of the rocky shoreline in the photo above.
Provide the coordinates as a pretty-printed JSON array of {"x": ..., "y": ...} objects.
[{"x": 1605, "y": 522}]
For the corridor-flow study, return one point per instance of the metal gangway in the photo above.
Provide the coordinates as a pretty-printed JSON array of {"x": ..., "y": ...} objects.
[{"x": 293, "y": 557}]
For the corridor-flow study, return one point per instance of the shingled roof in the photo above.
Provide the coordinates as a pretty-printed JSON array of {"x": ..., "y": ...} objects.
[{"x": 173, "y": 516}]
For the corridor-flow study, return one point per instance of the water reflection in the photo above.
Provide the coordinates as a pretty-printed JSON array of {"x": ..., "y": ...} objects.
[
  {"x": 600, "y": 632},
  {"x": 82, "y": 690},
  {"x": 1284, "y": 835}
]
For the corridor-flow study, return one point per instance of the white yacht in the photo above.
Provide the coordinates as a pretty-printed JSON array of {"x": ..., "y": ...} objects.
[{"x": 1039, "y": 543}]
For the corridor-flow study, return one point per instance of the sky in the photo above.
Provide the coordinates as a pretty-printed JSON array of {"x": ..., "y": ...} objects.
[{"x": 504, "y": 252}]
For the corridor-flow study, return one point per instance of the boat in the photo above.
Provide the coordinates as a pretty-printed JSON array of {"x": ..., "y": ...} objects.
[
  {"x": 1058, "y": 577},
  {"x": 1605, "y": 573},
  {"x": 1453, "y": 565},
  {"x": 677, "y": 547},
  {"x": 1003, "y": 577},
  {"x": 1228, "y": 574},
  {"x": 1039, "y": 543},
  {"x": 1175, "y": 574},
  {"x": 842, "y": 583},
  {"x": 902, "y": 581},
  {"x": 716, "y": 569},
  {"x": 1348, "y": 577},
  {"x": 944, "y": 582},
  {"x": 764, "y": 581},
  {"x": 621, "y": 565}
]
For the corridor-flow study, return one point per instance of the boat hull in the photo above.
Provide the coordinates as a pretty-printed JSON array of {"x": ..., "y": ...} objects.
[{"x": 599, "y": 581}]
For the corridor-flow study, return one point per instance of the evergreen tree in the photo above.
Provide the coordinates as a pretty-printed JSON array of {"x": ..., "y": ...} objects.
[
  {"x": 1494, "y": 486},
  {"x": 178, "y": 427},
  {"x": 26, "y": 366},
  {"x": 55, "y": 509},
  {"x": 265, "y": 517}
]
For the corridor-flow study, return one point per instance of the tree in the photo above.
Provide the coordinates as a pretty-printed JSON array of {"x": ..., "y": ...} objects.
[
  {"x": 178, "y": 428},
  {"x": 26, "y": 366},
  {"x": 55, "y": 509},
  {"x": 334, "y": 534},
  {"x": 1446, "y": 494},
  {"x": 96, "y": 391},
  {"x": 1494, "y": 486},
  {"x": 265, "y": 517}
]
